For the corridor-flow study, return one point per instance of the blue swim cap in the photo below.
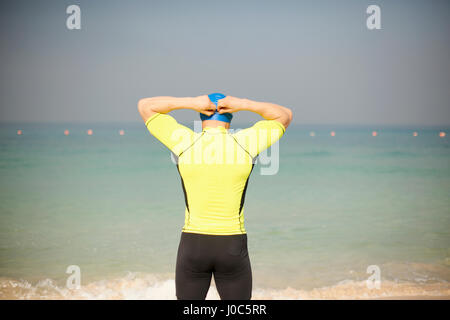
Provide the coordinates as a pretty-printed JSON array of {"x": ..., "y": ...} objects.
[{"x": 225, "y": 117}]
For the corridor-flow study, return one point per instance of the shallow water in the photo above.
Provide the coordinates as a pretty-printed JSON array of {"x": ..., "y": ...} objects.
[{"x": 113, "y": 205}]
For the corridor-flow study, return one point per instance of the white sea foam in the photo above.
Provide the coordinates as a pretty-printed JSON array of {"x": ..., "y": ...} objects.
[{"x": 150, "y": 286}]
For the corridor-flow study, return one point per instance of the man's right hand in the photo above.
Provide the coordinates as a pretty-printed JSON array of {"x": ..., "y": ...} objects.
[{"x": 229, "y": 104}]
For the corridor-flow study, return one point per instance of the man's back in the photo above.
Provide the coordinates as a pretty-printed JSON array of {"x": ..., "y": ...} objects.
[{"x": 214, "y": 166}]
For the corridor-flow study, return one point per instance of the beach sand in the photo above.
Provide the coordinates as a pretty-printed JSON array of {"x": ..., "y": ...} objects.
[{"x": 415, "y": 298}]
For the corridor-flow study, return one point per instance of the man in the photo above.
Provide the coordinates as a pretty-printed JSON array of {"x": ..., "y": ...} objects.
[{"x": 214, "y": 166}]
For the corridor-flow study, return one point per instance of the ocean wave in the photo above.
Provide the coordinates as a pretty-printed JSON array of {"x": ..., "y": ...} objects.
[{"x": 136, "y": 286}]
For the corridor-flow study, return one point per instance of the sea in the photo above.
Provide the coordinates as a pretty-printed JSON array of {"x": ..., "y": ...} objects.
[{"x": 352, "y": 215}]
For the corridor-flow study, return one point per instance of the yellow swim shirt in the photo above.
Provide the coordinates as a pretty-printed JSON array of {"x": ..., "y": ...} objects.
[{"x": 214, "y": 167}]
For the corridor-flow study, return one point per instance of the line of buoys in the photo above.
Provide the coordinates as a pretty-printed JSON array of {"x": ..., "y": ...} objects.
[
  {"x": 442, "y": 134},
  {"x": 89, "y": 132}
]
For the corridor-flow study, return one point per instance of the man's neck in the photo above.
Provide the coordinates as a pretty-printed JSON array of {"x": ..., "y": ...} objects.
[{"x": 215, "y": 124}]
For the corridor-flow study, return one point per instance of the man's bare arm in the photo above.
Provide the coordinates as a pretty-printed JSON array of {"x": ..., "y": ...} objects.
[
  {"x": 163, "y": 104},
  {"x": 267, "y": 110}
]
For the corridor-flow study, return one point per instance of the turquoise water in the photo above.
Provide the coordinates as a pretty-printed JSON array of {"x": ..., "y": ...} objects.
[{"x": 113, "y": 204}]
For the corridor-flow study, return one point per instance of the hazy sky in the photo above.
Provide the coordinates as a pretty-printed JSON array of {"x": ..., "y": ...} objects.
[{"x": 316, "y": 57}]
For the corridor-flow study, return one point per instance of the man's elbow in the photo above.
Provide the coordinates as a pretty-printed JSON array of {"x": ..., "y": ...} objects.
[
  {"x": 289, "y": 112},
  {"x": 288, "y": 117},
  {"x": 141, "y": 105},
  {"x": 144, "y": 108}
]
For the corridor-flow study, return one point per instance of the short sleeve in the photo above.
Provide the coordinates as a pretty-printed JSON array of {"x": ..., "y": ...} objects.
[
  {"x": 260, "y": 136},
  {"x": 169, "y": 132}
]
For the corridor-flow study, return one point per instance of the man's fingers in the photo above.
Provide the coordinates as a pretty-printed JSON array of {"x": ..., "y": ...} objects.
[
  {"x": 221, "y": 103},
  {"x": 209, "y": 108},
  {"x": 208, "y": 113}
]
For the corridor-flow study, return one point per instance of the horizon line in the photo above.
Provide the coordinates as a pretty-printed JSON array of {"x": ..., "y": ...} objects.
[{"x": 236, "y": 122}]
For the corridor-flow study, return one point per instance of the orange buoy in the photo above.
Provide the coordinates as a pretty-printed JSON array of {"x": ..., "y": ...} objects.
[
  {"x": 333, "y": 133},
  {"x": 89, "y": 132},
  {"x": 19, "y": 132},
  {"x": 442, "y": 134},
  {"x": 374, "y": 133},
  {"x": 415, "y": 134},
  {"x": 121, "y": 132},
  {"x": 66, "y": 132}
]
